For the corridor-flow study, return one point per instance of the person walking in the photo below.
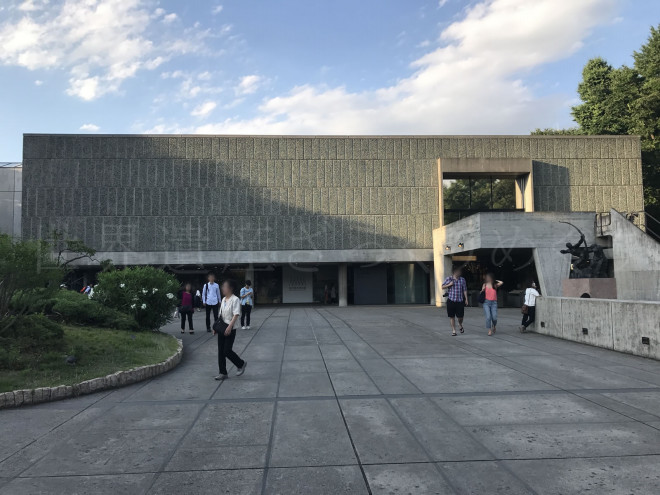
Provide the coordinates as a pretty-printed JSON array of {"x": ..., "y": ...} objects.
[
  {"x": 490, "y": 287},
  {"x": 230, "y": 310},
  {"x": 197, "y": 301},
  {"x": 211, "y": 299},
  {"x": 186, "y": 308},
  {"x": 457, "y": 299},
  {"x": 247, "y": 301},
  {"x": 529, "y": 306}
]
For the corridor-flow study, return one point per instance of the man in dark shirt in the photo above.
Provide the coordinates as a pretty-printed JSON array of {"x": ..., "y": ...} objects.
[{"x": 457, "y": 299}]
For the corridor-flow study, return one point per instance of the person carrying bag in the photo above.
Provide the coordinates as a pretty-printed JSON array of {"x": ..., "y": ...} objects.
[{"x": 224, "y": 328}]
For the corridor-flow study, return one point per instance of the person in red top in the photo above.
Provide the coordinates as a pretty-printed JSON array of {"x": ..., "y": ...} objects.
[
  {"x": 186, "y": 308},
  {"x": 490, "y": 304}
]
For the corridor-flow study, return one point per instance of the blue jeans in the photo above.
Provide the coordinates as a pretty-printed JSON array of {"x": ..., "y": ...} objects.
[{"x": 490, "y": 309}]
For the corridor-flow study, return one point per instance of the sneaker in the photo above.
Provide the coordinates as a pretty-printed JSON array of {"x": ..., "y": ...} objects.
[
  {"x": 208, "y": 330},
  {"x": 223, "y": 377},
  {"x": 522, "y": 329},
  {"x": 240, "y": 371},
  {"x": 243, "y": 327},
  {"x": 248, "y": 327}
]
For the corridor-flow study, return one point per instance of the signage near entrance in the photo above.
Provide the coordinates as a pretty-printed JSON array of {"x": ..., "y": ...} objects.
[{"x": 296, "y": 286}]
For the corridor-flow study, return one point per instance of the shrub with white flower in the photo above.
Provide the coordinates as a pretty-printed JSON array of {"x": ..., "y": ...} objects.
[{"x": 126, "y": 290}]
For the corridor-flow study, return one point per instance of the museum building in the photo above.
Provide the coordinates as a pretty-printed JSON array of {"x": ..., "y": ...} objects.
[{"x": 331, "y": 219}]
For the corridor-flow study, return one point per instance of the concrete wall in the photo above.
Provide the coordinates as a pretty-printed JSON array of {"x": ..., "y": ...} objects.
[
  {"x": 613, "y": 324},
  {"x": 10, "y": 199},
  {"x": 540, "y": 231},
  {"x": 252, "y": 193},
  {"x": 636, "y": 260}
]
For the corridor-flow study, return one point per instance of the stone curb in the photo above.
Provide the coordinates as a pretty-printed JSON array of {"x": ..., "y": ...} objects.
[{"x": 19, "y": 398}]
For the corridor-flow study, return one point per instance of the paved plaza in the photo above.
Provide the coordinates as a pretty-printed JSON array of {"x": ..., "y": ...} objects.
[{"x": 355, "y": 400}]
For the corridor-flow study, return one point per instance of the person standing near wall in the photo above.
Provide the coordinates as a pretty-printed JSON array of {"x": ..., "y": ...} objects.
[
  {"x": 186, "y": 308},
  {"x": 457, "y": 299},
  {"x": 490, "y": 303},
  {"x": 230, "y": 310},
  {"x": 211, "y": 300},
  {"x": 247, "y": 301},
  {"x": 529, "y": 306}
]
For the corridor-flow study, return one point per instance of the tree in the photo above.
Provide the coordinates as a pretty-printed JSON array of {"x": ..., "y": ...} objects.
[
  {"x": 625, "y": 100},
  {"x": 25, "y": 266}
]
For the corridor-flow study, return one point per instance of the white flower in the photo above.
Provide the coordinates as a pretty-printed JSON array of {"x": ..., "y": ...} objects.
[
  {"x": 170, "y": 295},
  {"x": 144, "y": 306},
  {"x": 154, "y": 290},
  {"x": 144, "y": 291},
  {"x": 132, "y": 306},
  {"x": 122, "y": 285}
]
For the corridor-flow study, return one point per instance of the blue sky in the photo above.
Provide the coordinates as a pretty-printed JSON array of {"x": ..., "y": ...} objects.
[{"x": 303, "y": 66}]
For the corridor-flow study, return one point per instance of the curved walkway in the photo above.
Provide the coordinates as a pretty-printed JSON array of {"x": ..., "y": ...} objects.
[{"x": 355, "y": 400}]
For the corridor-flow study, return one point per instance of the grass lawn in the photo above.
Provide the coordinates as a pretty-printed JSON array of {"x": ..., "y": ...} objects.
[{"x": 99, "y": 352}]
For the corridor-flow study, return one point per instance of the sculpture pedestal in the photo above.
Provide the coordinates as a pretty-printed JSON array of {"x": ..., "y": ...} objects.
[{"x": 599, "y": 288}]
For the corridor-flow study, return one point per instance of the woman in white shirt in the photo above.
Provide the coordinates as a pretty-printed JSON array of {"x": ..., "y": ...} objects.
[
  {"x": 531, "y": 293},
  {"x": 225, "y": 328}
]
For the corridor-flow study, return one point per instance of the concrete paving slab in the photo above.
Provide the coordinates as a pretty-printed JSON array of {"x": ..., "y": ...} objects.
[
  {"x": 310, "y": 433},
  {"x": 475, "y": 374},
  {"x": 331, "y": 480},
  {"x": 353, "y": 383},
  {"x": 526, "y": 409},
  {"x": 378, "y": 433},
  {"x": 483, "y": 477},
  {"x": 305, "y": 385},
  {"x": 568, "y": 440},
  {"x": 441, "y": 437},
  {"x": 108, "y": 452},
  {"x": 490, "y": 399},
  {"x": 612, "y": 475},
  {"x": 646, "y": 401},
  {"x": 145, "y": 417},
  {"x": 406, "y": 479},
  {"x": 121, "y": 484},
  {"x": 235, "y": 482}
]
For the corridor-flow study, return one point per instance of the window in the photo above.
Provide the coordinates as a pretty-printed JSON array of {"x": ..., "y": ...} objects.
[{"x": 465, "y": 196}]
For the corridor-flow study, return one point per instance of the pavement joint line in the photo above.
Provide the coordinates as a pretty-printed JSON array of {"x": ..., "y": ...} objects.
[
  {"x": 50, "y": 431},
  {"x": 273, "y": 417},
  {"x": 426, "y": 452},
  {"x": 341, "y": 410},
  {"x": 419, "y": 443},
  {"x": 394, "y": 463},
  {"x": 187, "y": 431}
]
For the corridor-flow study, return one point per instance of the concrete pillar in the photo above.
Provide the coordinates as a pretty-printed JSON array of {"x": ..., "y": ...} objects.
[
  {"x": 551, "y": 267},
  {"x": 249, "y": 273},
  {"x": 442, "y": 267},
  {"x": 342, "y": 284},
  {"x": 432, "y": 286}
]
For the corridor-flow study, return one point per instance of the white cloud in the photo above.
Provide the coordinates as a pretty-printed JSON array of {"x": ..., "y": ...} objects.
[
  {"x": 38, "y": 82},
  {"x": 442, "y": 3},
  {"x": 204, "y": 109},
  {"x": 473, "y": 83},
  {"x": 100, "y": 43},
  {"x": 217, "y": 9},
  {"x": 170, "y": 18},
  {"x": 89, "y": 127},
  {"x": 248, "y": 84}
]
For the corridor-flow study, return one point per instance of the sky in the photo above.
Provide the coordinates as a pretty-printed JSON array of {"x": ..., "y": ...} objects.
[{"x": 303, "y": 66}]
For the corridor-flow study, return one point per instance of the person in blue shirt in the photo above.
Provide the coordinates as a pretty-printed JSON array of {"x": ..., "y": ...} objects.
[
  {"x": 247, "y": 301},
  {"x": 211, "y": 300}
]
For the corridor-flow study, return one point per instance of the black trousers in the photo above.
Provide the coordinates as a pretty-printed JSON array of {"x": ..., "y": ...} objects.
[
  {"x": 184, "y": 315},
  {"x": 246, "y": 309},
  {"x": 215, "y": 309},
  {"x": 226, "y": 351},
  {"x": 528, "y": 319}
]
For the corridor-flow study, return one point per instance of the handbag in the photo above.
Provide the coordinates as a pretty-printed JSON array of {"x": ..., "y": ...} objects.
[
  {"x": 482, "y": 297},
  {"x": 524, "y": 309},
  {"x": 220, "y": 326},
  {"x": 186, "y": 309}
]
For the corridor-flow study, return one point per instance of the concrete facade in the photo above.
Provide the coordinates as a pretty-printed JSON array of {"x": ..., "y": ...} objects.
[
  {"x": 135, "y": 195},
  {"x": 636, "y": 258},
  {"x": 612, "y": 324},
  {"x": 11, "y": 186},
  {"x": 540, "y": 232}
]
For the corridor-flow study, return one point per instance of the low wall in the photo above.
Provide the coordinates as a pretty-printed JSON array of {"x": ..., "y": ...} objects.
[
  {"x": 610, "y": 323},
  {"x": 119, "y": 379}
]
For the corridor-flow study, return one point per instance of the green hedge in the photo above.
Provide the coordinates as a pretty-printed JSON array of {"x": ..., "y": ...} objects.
[{"x": 28, "y": 339}]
